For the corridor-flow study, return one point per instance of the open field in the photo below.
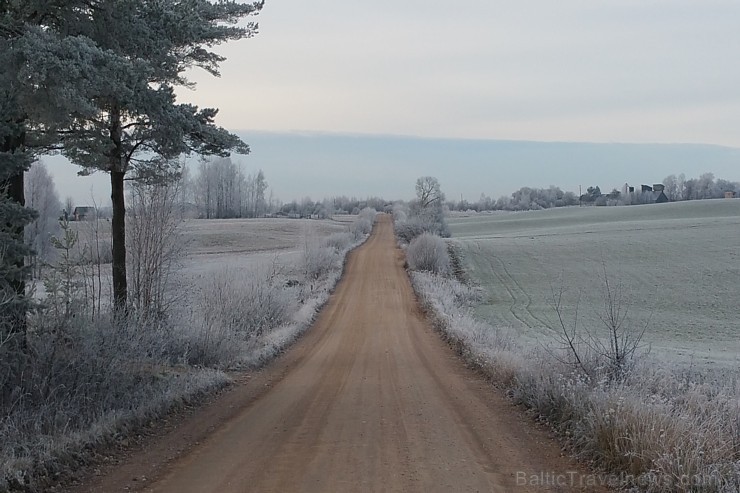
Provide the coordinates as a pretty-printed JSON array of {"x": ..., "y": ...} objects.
[
  {"x": 219, "y": 236},
  {"x": 678, "y": 265},
  {"x": 235, "y": 236},
  {"x": 214, "y": 245}
]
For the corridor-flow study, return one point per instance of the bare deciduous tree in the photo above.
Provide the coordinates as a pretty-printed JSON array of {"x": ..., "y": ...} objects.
[
  {"x": 222, "y": 190},
  {"x": 155, "y": 246},
  {"x": 671, "y": 187},
  {"x": 426, "y": 212},
  {"x": 95, "y": 250},
  {"x": 41, "y": 195},
  {"x": 69, "y": 206},
  {"x": 428, "y": 192},
  {"x": 611, "y": 352}
]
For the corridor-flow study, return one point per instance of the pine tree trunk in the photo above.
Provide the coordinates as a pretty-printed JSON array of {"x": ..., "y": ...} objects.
[
  {"x": 118, "y": 228},
  {"x": 118, "y": 221}
]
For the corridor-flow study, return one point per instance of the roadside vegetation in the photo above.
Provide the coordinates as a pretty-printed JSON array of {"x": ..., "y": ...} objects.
[{"x": 647, "y": 424}]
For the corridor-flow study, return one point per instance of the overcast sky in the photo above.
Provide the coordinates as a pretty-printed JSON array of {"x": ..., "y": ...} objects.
[
  {"x": 658, "y": 71},
  {"x": 574, "y": 70}
]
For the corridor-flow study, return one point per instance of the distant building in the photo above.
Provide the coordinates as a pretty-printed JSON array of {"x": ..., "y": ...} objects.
[
  {"x": 729, "y": 195},
  {"x": 648, "y": 194},
  {"x": 659, "y": 193},
  {"x": 83, "y": 213},
  {"x": 660, "y": 197}
]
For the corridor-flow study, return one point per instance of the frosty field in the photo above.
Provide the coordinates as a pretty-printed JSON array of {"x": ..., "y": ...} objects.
[
  {"x": 214, "y": 246},
  {"x": 678, "y": 265}
]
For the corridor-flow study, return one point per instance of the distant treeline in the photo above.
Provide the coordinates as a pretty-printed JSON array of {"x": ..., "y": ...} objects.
[
  {"x": 330, "y": 206},
  {"x": 218, "y": 188},
  {"x": 675, "y": 188},
  {"x": 704, "y": 187}
]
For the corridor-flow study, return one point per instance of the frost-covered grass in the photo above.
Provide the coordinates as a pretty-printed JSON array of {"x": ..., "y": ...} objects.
[
  {"x": 678, "y": 263},
  {"x": 663, "y": 429},
  {"x": 85, "y": 385}
]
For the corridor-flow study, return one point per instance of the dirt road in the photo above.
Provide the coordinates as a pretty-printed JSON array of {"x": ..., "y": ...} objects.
[{"x": 369, "y": 400}]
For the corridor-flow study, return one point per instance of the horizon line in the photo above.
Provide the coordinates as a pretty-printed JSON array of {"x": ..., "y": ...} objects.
[{"x": 332, "y": 133}]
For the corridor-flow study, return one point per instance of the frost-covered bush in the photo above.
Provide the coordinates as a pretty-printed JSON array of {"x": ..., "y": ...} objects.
[
  {"x": 236, "y": 309},
  {"x": 361, "y": 226},
  {"x": 408, "y": 230},
  {"x": 428, "y": 252},
  {"x": 419, "y": 223},
  {"x": 399, "y": 212},
  {"x": 368, "y": 213},
  {"x": 85, "y": 380},
  {"x": 338, "y": 241},
  {"x": 318, "y": 260}
]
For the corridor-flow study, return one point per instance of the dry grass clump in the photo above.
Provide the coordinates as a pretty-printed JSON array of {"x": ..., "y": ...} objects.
[
  {"x": 658, "y": 429},
  {"x": 234, "y": 310}
]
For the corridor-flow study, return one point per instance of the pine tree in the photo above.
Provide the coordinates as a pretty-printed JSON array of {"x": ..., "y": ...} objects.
[
  {"x": 138, "y": 126},
  {"x": 37, "y": 93}
]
